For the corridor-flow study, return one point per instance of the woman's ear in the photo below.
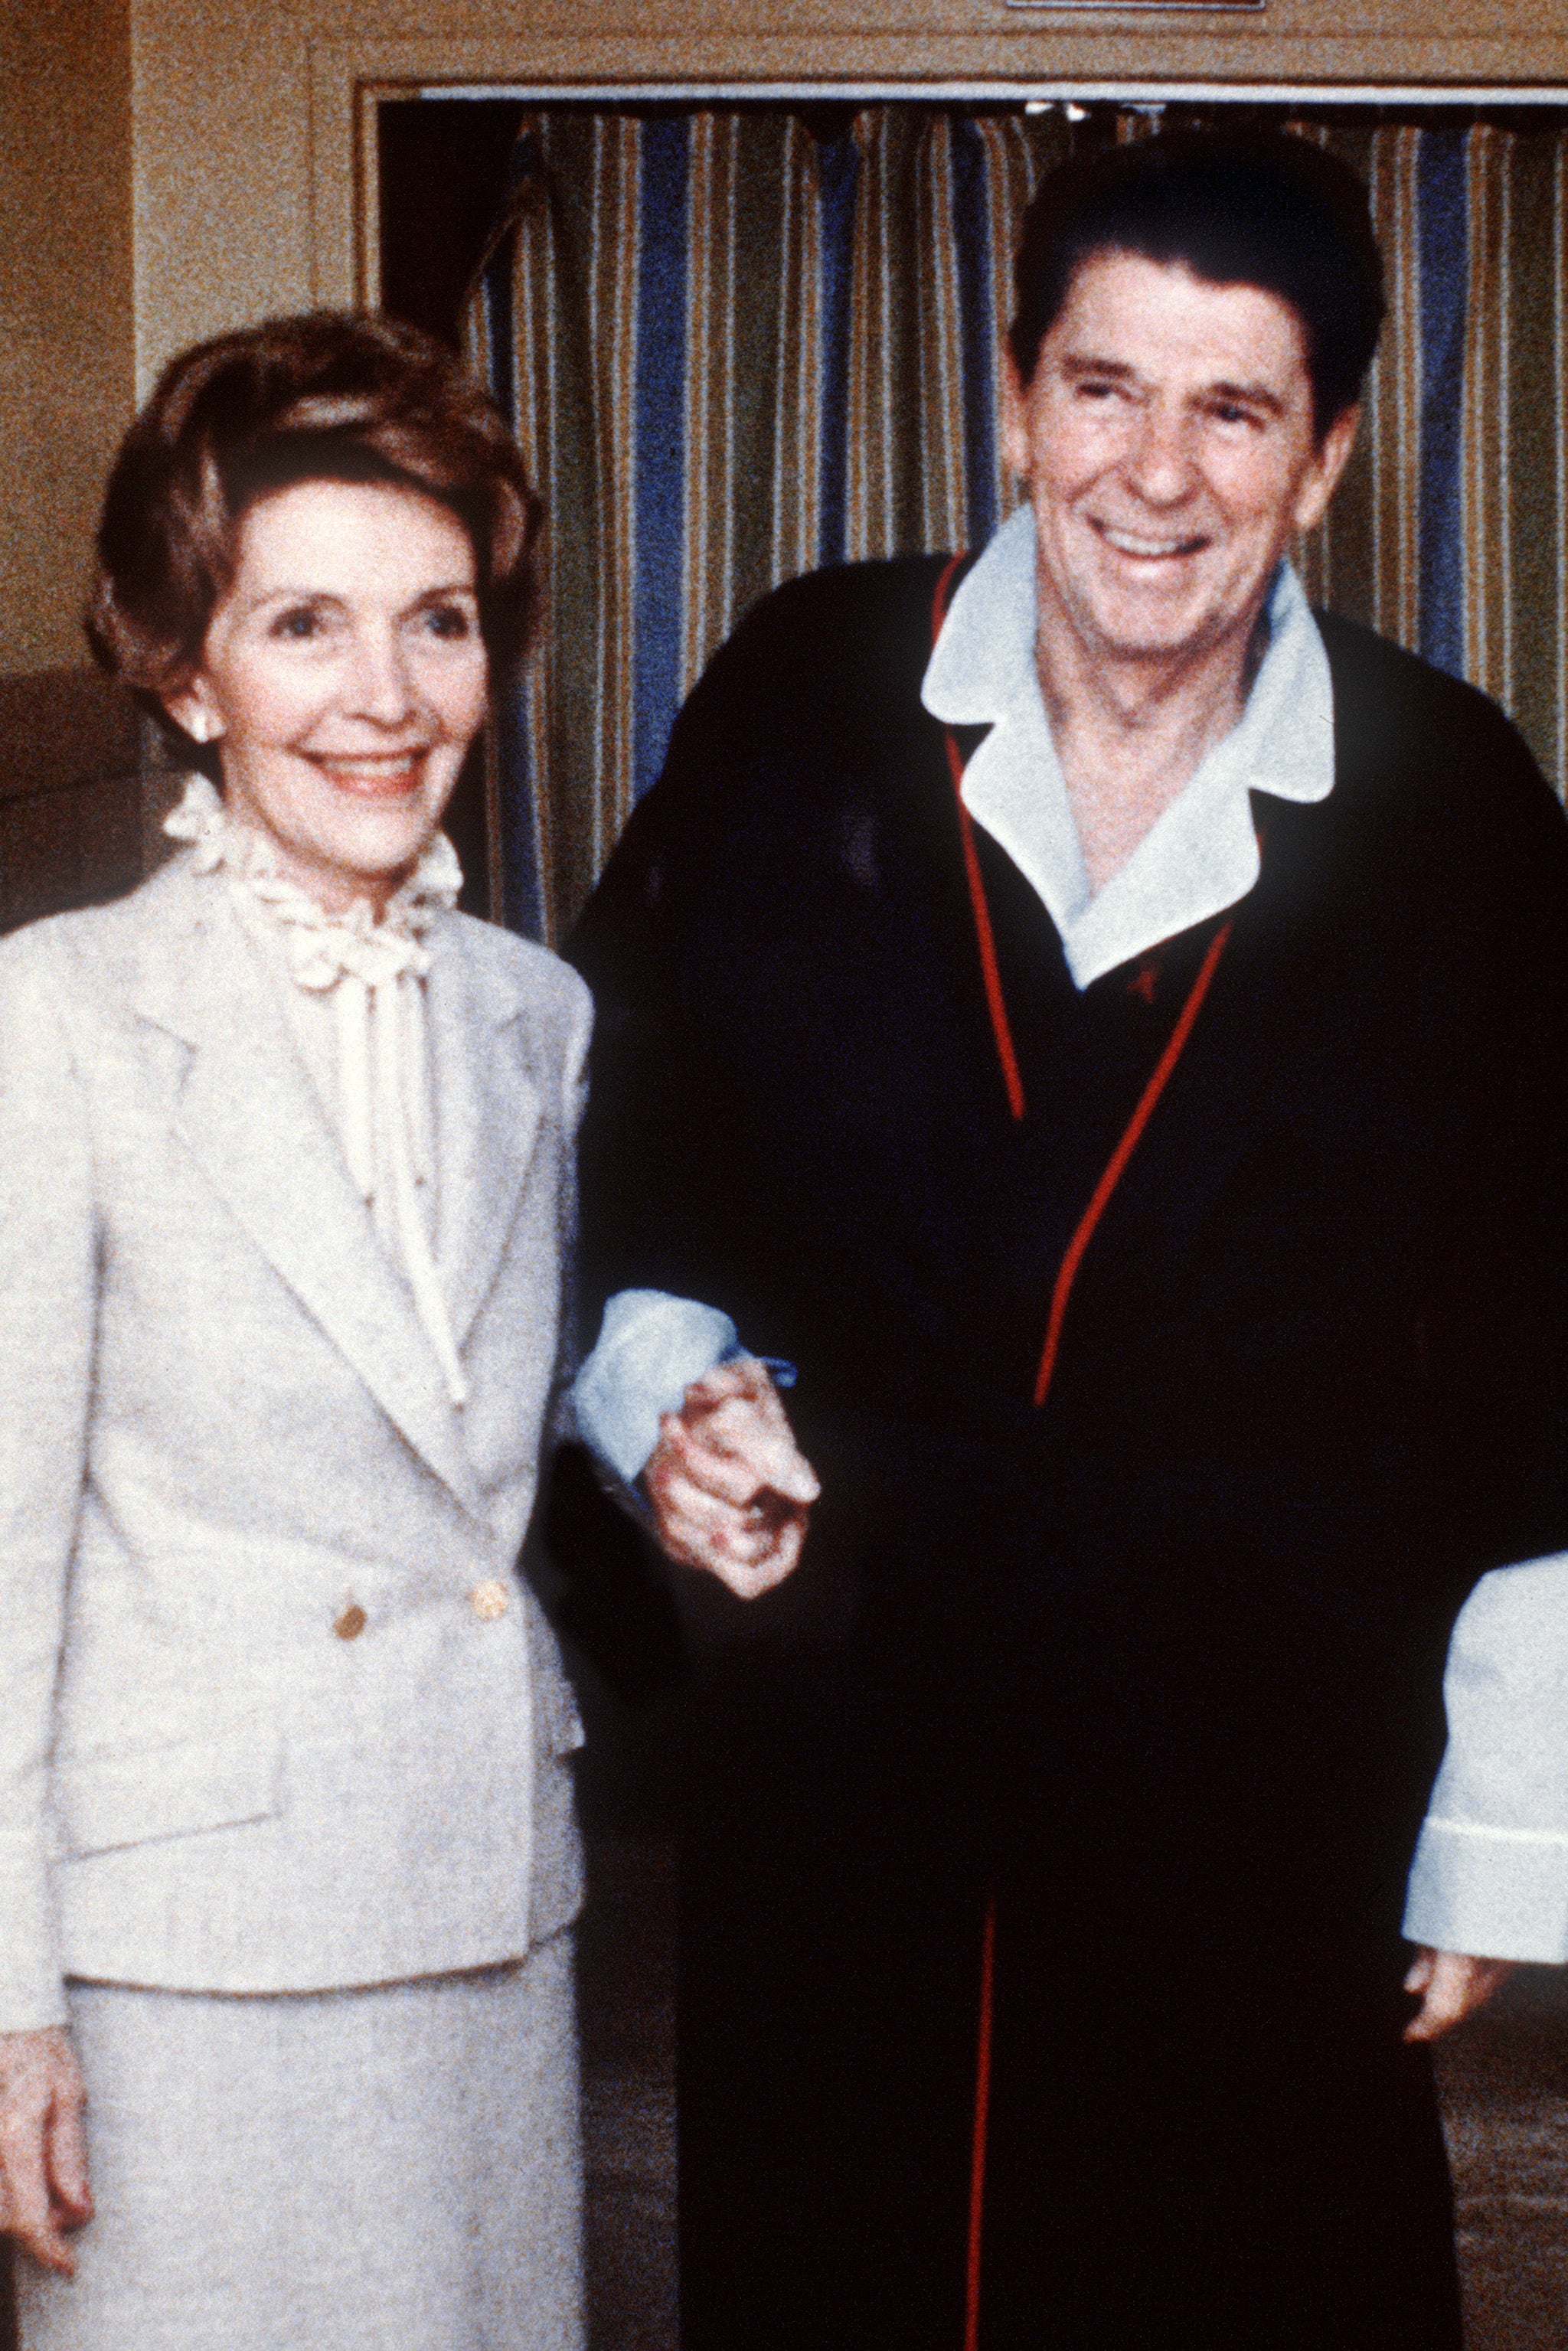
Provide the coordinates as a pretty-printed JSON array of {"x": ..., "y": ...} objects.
[{"x": 194, "y": 710}]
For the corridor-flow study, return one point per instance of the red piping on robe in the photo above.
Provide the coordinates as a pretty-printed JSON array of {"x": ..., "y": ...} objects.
[{"x": 1115, "y": 1166}]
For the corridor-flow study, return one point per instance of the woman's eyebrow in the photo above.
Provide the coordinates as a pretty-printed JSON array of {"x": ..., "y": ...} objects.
[{"x": 266, "y": 596}]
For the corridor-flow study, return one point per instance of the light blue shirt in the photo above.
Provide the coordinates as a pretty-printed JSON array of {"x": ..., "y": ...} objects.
[
  {"x": 1201, "y": 855},
  {"x": 1490, "y": 1871},
  {"x": 649, "y": 1349}
]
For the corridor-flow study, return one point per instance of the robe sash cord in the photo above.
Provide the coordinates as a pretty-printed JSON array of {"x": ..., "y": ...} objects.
[{"x": 1067, "y": 1273}]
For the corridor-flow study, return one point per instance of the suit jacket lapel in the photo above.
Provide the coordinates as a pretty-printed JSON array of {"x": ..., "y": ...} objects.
[
  {"x": 250, "y": 1116},
  {"x": 487, "y": 1122}
]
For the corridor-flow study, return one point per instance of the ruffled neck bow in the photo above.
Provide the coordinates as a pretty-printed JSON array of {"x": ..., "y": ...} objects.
[{"x": 374, "y": 973}]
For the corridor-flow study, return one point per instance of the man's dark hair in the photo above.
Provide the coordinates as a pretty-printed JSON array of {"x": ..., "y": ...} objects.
[{"x": 1265, "y": 209}]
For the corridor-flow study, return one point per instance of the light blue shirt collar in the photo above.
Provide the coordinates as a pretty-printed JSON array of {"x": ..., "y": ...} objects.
[{"x": 1201, "y": 855}]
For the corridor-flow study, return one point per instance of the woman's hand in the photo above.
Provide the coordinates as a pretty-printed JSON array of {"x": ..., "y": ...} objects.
[
  {"x": 43, "y": 2155},
  {"x": 731, "y": 1490},
  {"x": 1452, "y": 1986}
]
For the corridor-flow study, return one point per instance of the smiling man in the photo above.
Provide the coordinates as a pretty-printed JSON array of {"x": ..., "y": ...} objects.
[
  {"x": 1168, "y": 440},
  {"x": 1104, "y": 1026}
]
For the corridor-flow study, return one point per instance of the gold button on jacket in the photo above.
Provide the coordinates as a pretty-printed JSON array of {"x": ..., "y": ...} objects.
[{"x": 488, "y": 1600}]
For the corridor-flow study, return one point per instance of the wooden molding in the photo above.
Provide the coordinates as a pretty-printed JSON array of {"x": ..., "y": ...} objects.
[{"x": 255, "y": 162}]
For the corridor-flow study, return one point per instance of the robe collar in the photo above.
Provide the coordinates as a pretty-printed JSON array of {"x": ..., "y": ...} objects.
[{"x": 1201, "y": 854}]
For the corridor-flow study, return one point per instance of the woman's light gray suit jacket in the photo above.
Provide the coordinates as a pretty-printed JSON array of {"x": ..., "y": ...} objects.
[{"x": 222, "y": 1427}]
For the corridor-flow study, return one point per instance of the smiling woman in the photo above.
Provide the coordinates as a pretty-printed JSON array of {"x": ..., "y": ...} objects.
[
  {"x": 343, "y": 675},
  {"x": 284, "y": 1141}
]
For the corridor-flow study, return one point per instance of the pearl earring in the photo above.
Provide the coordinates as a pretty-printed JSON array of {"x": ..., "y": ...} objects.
[{"x": 197, "y": 729}]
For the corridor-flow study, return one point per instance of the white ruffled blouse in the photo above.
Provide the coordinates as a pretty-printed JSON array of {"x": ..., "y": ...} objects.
[{"x": 357, "y": 1008}]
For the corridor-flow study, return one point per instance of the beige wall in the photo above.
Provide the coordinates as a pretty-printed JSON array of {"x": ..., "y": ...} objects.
[
  {"x": 169, "y": 168},
  {"x": 249, "y": 187},
  {"x": 222, "y": 185},
  {"x": 66, "y": 307},
  {"x": 224, "y": 133}
]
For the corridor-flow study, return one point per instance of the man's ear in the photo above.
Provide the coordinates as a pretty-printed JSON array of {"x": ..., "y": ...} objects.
[
  {"x": 1014, "y": 417},
  {"x": 1329, "y": 460}
]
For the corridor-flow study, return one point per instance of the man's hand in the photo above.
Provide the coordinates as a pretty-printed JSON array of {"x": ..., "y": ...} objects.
[
  {"x": 42, "y": 2155},
  {"x": 1452, "y": 1986},
  {"x": 730, "y": 1488}
]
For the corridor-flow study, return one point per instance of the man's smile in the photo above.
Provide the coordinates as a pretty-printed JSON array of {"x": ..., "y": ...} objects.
[{"x": 1129, "y": 542}]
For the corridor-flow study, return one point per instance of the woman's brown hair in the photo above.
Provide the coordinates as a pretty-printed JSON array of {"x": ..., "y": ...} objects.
[{"x": 327, "y": 396}]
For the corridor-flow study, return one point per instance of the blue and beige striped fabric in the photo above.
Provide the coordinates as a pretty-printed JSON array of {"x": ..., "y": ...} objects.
[{"x": 740, "y": 342}]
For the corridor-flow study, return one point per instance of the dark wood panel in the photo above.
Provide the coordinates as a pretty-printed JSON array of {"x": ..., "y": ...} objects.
[
  {"x": 73, "y": 847},
  {"x": 71, "y": 795},
  {"x": 61, "y": 726}
]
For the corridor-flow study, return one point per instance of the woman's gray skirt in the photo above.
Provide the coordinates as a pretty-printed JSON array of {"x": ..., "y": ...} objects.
[{"x": 390, "y": 2170}]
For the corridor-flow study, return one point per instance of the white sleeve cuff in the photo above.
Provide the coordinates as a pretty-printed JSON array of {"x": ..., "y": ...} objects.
[
  {"x": 31, "y": 1993},
  {"x": 1498, "y": 1894},
  {"x": 649, "y": 1349},
  {"x": 1491, "y": 1872}
]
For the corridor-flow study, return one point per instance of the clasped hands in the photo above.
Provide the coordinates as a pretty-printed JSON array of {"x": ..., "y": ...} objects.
[{"x": 730, "y": 1490}]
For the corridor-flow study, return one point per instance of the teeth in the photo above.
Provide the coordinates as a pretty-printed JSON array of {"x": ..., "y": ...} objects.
[
  {"x": 1127, "y": 543},
  {"x": 371, "y": 767}
]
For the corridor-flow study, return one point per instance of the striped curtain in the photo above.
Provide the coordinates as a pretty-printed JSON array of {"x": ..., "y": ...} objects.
[
  {"x": 1449, "y": 531},
  {"x": 740, "y": 342}
]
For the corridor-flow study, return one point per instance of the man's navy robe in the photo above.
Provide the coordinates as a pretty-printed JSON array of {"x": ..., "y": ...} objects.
[{"x": 1155, "y": 1669}]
